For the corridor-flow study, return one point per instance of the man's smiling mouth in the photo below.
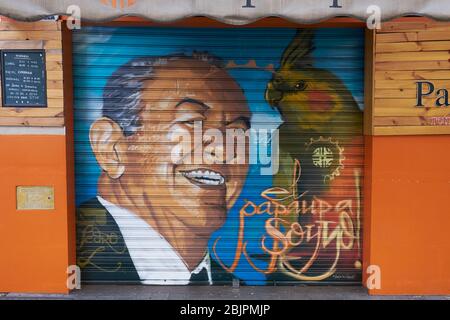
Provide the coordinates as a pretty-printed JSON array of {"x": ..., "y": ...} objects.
[{"x": 204, "y": 177}]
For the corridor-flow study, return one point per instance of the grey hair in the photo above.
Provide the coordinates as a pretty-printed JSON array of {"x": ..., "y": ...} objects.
[{"x": 122, "y": 93}]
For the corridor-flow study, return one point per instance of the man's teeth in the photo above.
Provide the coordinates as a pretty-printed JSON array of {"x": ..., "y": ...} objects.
[{"x": 205, "y": 177}]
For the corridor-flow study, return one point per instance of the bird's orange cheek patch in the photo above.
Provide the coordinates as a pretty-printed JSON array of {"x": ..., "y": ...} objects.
[{"x": 320, "y": 101}]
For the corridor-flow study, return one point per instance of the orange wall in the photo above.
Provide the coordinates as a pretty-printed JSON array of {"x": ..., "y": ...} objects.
[
  {"x": 408, "y": 213},
  {"x": 34, "y": 251}
]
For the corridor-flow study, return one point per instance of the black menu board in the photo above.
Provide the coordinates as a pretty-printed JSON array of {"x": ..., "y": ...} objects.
[{"x": 24, "y": 81}]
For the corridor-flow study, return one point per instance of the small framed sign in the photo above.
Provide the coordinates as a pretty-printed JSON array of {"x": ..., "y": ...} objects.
[
  {"x": 35, "y": 198},
  {"x": 24, "y": 78}
]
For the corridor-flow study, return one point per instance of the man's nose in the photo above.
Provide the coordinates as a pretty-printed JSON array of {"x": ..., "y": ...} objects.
[{"x": 214, "y": 148}]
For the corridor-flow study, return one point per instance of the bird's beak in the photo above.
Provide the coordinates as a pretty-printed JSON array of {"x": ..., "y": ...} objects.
[{"x": 273, "y": 96}]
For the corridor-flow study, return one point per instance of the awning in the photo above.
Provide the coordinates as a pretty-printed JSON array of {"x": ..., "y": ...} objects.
[{"x": 228, "y": 11}]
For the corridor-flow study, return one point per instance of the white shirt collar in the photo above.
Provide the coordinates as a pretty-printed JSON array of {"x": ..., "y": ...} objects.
[{"x": 155, "y": 260}]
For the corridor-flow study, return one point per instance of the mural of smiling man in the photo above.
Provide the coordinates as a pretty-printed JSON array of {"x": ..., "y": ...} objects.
[{"x": 153, "y": 217}]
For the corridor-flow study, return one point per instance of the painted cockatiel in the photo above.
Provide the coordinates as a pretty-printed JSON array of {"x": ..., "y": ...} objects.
[
  {"x": 322, "y": 134},
  {"x": 320, "y": 116}
]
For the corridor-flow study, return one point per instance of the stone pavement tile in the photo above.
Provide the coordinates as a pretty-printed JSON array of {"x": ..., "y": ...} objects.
[
  {"x": 31, "y": 296},
  {"x": 159, "y": 296},
  {"x": 198, "y": 293}
]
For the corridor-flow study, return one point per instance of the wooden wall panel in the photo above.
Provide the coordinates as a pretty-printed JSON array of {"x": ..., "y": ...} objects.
[
  {"x": 37, "y": 35},
  {"x": 407, "y": 52},
  {"x": 369, "y": 72}
]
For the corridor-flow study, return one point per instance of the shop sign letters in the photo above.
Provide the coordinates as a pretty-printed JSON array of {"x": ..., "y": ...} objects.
[{"x": 428, "y": 89}]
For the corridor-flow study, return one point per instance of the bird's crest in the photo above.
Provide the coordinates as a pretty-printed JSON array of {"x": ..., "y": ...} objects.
[{"x": 298, "y": 53}]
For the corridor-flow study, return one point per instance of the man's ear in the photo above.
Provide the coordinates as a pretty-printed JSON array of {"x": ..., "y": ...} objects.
[{"x": 105, "y": 136}]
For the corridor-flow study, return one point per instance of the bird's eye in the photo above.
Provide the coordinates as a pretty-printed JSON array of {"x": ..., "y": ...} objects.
[{"x": 301, "y": 85}]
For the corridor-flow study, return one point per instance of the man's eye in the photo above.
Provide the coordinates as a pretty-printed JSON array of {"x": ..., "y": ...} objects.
[
  {"x": 189, "y": 119},
  {"x": 238, "y": 127},
  {"x": 301, "y": 85},
  {"x": 191, "y": 123}
]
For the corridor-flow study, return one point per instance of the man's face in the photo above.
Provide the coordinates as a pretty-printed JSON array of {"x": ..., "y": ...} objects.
[{"x": 183, "y": 95}]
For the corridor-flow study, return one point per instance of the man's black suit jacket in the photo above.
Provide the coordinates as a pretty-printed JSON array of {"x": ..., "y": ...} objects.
[{"x": 103, "y": 255}]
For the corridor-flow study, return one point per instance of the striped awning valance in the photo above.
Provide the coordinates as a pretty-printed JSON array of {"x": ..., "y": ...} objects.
[{"x": 228, "y": 11}]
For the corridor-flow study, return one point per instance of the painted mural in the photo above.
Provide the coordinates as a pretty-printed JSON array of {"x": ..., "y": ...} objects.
[{"x": 207, "y": 156}]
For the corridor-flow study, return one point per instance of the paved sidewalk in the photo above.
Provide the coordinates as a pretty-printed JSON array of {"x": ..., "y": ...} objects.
[{"x": 124, "y": 292}]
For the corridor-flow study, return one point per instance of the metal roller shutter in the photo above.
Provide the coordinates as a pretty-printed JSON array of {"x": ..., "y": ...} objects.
[{"x": 153, "y": 210}]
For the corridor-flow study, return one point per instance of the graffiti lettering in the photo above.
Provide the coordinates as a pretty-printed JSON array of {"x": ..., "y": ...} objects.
[
  {"x": 284, "y": 239},
  {"x": 94, "y": 242}
]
